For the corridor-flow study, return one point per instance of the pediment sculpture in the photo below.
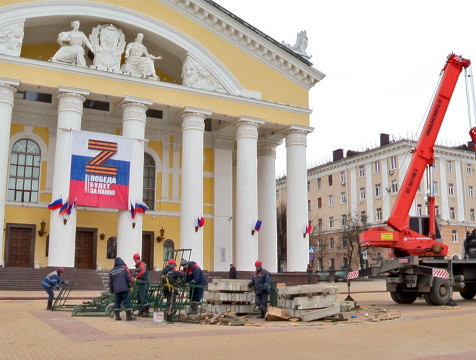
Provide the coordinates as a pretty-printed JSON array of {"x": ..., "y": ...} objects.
[
  {"x": 72, "y": 46},
  {"x": 108, "y": 43},
  {"x": 11, "y": 38},
  {"x": 196, "y": 76},
  {"x": 138, "y": 61},
  {"x": 300, "y": 46}
]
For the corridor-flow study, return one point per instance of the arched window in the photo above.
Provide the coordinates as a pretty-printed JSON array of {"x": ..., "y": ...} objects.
[
  {"x": 168, "y": 249},
  {"x": 24, "y": 174},
  {"x": 112, "y": 247},
  {"x": 149, "y": 181}
]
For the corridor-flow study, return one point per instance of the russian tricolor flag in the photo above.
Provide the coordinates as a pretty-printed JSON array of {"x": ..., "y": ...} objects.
[
  {"x": 201, "y": 221},
  {"x": 308, "y": 229},
  {"x": 71, "y": 206},
  {"x": 258, "y": 225},
  {"x": 141, "y": 208},
  {"x": 133, "y": 211},
  {"x": 56, "y": 204},
  {"x": 64, "y": 208}
]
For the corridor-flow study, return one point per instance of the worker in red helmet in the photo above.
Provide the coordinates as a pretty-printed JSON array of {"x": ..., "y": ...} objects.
[
  {"x": 52, "y": 280},
  {"x": 171, "y": 281},
  {"x": 261, "y": 280},
  {"x": 143, "y": 284}
]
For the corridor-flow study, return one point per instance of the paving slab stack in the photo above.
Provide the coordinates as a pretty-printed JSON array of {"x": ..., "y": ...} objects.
[
  {"x": 229, "y": 295},
  {"x": 309, "y": 302}
]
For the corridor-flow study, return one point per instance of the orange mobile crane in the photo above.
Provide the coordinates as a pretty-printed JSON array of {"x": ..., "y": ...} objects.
[{"x": 419, "y": 267}]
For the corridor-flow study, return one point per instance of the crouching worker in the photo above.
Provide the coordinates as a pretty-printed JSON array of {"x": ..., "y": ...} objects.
[
  {"x": 262, "y": 283},
  {"x": 194, "y": 276},
  {"x": 120, "y": 281},
  {"x": 170, "y": 280},
  {"x": 142, "y": 281},
  {"x": 52, "y": 280}
]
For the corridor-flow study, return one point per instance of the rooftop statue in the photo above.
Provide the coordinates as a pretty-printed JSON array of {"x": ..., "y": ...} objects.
[
  {"x": 108, "y": 43},
  {"x": 72, "y": 46},
  {"x": 138, "y": 62},
  {"x": 300, "y": 46}
]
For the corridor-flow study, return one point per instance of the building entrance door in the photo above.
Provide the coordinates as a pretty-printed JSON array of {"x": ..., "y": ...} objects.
[
  {"x": 85, "y": 252},
  {"x": 148, "y": 249},
  {"x": 20, "y": 245}
]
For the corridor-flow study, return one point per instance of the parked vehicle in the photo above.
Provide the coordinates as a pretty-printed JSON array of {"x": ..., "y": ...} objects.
[
  {"x": 340, "y": 275},
  {"x": 323, "y": 276}
]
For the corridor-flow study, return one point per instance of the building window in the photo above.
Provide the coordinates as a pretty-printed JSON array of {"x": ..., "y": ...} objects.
[
  {"x": 449, "y": 166},
  {"x": 331, "y": 264},
  {"x": 329, "y": 179},
  {"x": 361, "y": 171},
  {"x": 319, "y": 203},
  {"x": 319, "y": 244},
  {"x": 393, "y": 163},
  {"x": 319, "y": 264},
  {"x": 344, "y": 242},
  {"x": 377, "y": 167},
  {"x": 343, "y": 220},
  {"x": 452, "y": 213},
  {"x": 342, "y": 177},
  {"x": 451, "y": 190},
  {"x": 394, "y": 187},
  {"x": 24, "y": 174},
  {"x": 34, "y": 96},
  {"x": 319, "y": 184},
  {"x": 112, "y": 247},
  {"x": 469, "y": 169},
  {"x": 331, "y": 221},
  {"x": 308, "y": 186},
  {"x": 435, "y": 188},
  {"x": 168, "y": 249},
  {"x": 470, "y": 192},
  {"x": 344, "y": 263},
  {"x": 309, "y": 205},
  {"x": 419, "y": 210},
  {"x": 378, "y": 190},
  {"x": 363, "y": 217},
  {"x": 454, "y": 235},
  {"x": 343, "y": 197},
  {"x": 471, "y": 214},
  {"x": 319, "y": 224},
  {"x": 362, "y": 193},
  {"x": 331, "y": 243},
  {"x": 379, "y": 214},
  {"x": 149, "y": 181},
  {"x": 331, "y": 200}
]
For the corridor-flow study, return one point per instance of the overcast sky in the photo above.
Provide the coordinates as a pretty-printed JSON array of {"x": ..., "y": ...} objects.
[{"x": 382, "y": 61}]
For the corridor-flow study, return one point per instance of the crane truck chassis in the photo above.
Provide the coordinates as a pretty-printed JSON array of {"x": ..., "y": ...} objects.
[{"x": 418, "y": 266}]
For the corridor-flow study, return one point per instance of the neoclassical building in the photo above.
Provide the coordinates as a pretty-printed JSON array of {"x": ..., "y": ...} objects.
[{"x": 200, "y": 98}]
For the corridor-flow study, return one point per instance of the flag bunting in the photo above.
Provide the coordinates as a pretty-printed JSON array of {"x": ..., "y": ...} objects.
[{"x": 56, "y": 204}]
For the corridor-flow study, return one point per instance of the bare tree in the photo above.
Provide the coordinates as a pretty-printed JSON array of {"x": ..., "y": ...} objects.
[{"x": 353, "y": 250}]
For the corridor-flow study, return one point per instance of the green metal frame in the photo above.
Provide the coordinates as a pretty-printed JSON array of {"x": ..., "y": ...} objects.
[{"x": 59, "y": 302}]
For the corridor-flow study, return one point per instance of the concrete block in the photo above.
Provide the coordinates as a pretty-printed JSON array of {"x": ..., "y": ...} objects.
[
  {"x": 346, "y": 306},
  {"x": 238, "y": 308},
  {"x": 229, "y": 285},
  {"x": 308, "y": 302},
  {"x": 229, "y": 297},
  {"x": 310, "y": 315},
  {"x": 290, "y": 292}
]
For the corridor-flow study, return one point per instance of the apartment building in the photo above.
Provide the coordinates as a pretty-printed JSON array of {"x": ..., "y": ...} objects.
[{"x": 364, "y": 186}]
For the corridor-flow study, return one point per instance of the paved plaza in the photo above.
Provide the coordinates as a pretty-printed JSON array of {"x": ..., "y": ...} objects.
[{"x": 418, "y": 331}]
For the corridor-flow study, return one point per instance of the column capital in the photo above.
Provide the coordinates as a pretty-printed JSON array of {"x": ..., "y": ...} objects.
[
  {"x": 193, "y": 118},
  {"x": 68, "y": 90},
  {"x": 134, "y": 111},
  {"x": 296, "y": 135},
  {"x": 135, "y": 100},
  {"x": 267, "y": 147},
  {"x": 247, "y": 127},
  {"x": 190, "y": 110},
  {"x": 70, "y": 101},
  {"x": 7, "y": 92}
]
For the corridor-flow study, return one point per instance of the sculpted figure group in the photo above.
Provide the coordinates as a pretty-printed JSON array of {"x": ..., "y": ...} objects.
[{"x": 107, "y": 44}]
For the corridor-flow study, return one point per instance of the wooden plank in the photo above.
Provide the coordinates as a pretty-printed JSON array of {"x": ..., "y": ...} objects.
[{"x": 276, "y": 314}]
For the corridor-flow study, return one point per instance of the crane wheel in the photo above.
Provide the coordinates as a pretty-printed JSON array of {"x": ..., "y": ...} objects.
[
  {"x": 440, "y": 293},
  {"x": 426, "y": 296},
  {"x": 468, "y": 293},
  {"x": 402, "y": 297}
]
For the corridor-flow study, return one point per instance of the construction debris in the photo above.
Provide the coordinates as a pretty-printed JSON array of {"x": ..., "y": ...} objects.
[{"x": 229, "y": 295}]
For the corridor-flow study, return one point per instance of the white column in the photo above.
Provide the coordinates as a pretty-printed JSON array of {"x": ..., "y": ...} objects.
[
  {"x": 63, "y": 236},
  {"x": 246, "y": 192},
  {"x": 268, "y": 240},
  {"x": 129, "y": 231},
  {"x": 191, "y": 202},
  {"x": 165, "y": 168},
  {"x": 297, "y": 214},
  {"x": 223, "y": 207},
  {"x": 7, "y": 93}
]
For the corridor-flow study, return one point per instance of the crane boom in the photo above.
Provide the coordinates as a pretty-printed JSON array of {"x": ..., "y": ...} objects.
[{"x": 402, "y": 239}]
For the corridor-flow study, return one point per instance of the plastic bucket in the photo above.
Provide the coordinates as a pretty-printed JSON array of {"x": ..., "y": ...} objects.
[{"x": 158, "y": 316}]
